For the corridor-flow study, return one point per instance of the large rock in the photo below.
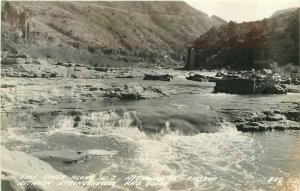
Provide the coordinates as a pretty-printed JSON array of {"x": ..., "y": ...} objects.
[
  {"x": 248, "y": 86},
  {"x": 135, "y": 91},
  {"x": 15, "y": 164},
  {"x": 236, "y": 86}
]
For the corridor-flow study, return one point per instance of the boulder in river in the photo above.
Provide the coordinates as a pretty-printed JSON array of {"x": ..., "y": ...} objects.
[
  {"x": 268, "y": 126},
  {"x": 135, "y": 91},
  {"x": 248, "y": 86},
  {"x": 271, "y": 120},
  {"x": 236, "y": 86},
  {"x": 201, "y": 78},
  {"x": 101, "y": 69},
  {"x": 164, "y": 77}
]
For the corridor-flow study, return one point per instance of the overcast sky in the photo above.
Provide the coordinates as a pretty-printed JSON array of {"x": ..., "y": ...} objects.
[{"x": 239, "y": 10}]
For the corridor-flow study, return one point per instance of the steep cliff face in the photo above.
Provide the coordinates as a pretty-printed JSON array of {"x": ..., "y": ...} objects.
[{"x": 251, "y": 44}]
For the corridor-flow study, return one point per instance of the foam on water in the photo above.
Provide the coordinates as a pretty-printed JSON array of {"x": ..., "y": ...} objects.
[
  {"x": 170, "y": 153},
  {"x": 99, "y": 123},
  {"x": 20, "y": 139},
  {"x": 101, "y": 152},
  {"x": 211, "y": 154}
]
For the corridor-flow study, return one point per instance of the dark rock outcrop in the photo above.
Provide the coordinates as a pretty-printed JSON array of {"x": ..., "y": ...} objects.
[
  {"x": 248, "y": 86},
  {"x": 247, "y": 45},
  {"x": 249, "y": 82},
  {"x": 236, "y": 86}
]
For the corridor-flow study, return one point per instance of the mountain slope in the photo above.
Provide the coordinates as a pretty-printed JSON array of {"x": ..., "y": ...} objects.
[
  {"x": 113, "y": 24},
  {"x": 251, "y": 44}
]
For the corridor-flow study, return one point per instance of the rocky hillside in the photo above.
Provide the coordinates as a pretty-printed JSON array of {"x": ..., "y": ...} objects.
[
  {"x": 259, "y": 44},
  {"x": 118, "y": 24},
  {"x": 48, "y": 28}
]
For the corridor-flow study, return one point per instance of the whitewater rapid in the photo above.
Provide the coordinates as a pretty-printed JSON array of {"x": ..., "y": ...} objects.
[{"x": 180, "y": 143}]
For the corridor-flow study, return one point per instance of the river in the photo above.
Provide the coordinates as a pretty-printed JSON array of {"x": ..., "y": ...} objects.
[{"x": 180, "y": 142}]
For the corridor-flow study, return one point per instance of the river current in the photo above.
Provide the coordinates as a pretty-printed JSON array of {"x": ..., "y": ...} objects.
[{"x": 179, "y": 143}]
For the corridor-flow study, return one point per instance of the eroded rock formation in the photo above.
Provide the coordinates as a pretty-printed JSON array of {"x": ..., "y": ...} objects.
[{"x": 17, "y": 18}]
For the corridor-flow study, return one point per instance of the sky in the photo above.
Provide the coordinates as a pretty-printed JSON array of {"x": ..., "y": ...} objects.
[{"x": 242, "y": 10}]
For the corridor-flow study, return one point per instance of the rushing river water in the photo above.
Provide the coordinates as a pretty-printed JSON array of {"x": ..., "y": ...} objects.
[{"x": 179, "y": 143}]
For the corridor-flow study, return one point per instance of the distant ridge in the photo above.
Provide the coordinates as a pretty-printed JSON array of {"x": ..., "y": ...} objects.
[{"x": 284, "y": 11}]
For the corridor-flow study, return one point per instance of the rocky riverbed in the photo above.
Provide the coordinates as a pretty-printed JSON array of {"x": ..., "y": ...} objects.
[
  {"x": 30, "y": 83},
  {"x": 90, "y": 120}
]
